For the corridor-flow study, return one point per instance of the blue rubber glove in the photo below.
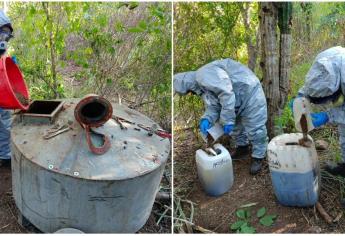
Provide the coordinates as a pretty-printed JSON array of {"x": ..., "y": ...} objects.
[
  {"x": 319, "y": 118},
  {"x": 14, "y": 59},
  {"x": 204, "y": 126},
  {"x": 227, "y": 129}
]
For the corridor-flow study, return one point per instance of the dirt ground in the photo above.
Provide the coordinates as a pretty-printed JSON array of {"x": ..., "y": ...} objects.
[
  {"x": 218, "y": 213},
  {"x": 8, "y": 209}
]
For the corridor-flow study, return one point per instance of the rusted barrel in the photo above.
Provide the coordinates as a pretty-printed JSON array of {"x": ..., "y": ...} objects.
[{"x": 59, "y": 183}]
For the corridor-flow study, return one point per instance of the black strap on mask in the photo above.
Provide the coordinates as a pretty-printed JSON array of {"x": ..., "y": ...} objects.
[{"x": 321, "y": 100}]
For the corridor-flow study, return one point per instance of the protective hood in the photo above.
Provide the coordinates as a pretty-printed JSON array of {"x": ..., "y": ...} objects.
[
  {"x": 185, "y": 82},
  {"x": 4, "y": 20},
  {"x": 324, "y": 77}
]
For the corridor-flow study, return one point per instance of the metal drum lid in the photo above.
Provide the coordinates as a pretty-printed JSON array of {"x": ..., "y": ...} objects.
[{"x": 134, "y": 151}]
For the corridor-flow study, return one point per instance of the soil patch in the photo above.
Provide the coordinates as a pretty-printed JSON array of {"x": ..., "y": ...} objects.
[{"x": 23, "y": 100}]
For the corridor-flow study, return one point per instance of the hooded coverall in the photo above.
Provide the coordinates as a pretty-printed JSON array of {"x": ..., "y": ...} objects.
[
  {"x": 232, "y": 95},
  {"x": 325, "y": 77}
]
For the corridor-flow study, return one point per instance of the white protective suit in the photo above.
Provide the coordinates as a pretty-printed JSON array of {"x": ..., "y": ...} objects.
[
  {"x": 232, "y": 94},
  {"x": 325, "y": 77}
]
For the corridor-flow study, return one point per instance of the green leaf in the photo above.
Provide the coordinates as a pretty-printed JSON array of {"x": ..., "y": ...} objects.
[
  {"x": 109, "y": 81},
  {"x": 241, "y": 214},
  {"x": 267, "y": 220},
  {"x": 111, "y": 50},
  {"x": 158, "y": 13},
  {"x": 246, "y": 229},
  {"x": 261, "y": 212},
  {"x": 238, "y": 224},
  {"x": 142, "y": 25},
  {"x": 85, "y": 65},
  {"x": 247, "y": 214},
  {"x": 249, "y": 205},
  {"x": 32, "y": 11},
  {"x": 102, "y": 20},
  {"x": 119, "y": 26},
  {"x": 133, "y": 5}
]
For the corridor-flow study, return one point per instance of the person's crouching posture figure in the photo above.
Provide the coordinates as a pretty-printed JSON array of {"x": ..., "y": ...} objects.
[{"x": 233, "y": 96}]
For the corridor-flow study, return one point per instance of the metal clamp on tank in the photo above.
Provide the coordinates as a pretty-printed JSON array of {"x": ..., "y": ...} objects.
[{"x": 94, "y": 111}]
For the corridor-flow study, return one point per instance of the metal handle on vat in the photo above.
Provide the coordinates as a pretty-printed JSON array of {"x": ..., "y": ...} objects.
[{"x": 94, "y": 111}]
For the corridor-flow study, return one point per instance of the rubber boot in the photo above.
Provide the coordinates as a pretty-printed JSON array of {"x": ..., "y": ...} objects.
[
  {"x": 5, "y": 162},
  {"x": 240, "y": 153},
  {"x": 338, "y": 169},
  {"x": 256, "y": 165}
]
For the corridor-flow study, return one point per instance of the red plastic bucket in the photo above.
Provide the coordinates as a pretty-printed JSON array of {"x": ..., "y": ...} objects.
[{"x": 13, "y": 90}]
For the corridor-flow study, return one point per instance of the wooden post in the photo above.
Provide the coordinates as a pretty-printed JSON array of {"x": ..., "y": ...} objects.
[
  {"x": 269, "y": 61},
  {"x": 275, "y": 67}
]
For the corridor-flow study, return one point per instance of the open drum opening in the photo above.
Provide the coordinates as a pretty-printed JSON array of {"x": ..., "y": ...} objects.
[
  {"x": 93, "y": 112},
  {"x": 43, "y": 107}
]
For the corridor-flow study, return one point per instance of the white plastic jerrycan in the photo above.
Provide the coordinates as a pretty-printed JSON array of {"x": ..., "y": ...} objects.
[
  {"x": 295, "y": 170},
  {"x": 215, "y": 170}
]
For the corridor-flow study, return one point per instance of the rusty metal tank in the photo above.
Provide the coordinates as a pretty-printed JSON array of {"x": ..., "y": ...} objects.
[{"x": 59, "y": 183}]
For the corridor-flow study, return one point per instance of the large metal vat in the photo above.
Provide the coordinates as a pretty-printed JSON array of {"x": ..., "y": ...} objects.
[{"x": 58, "y": 183}]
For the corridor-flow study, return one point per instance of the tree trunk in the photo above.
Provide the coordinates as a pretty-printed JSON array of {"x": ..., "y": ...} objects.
[
  {"x": 284, "y": 70},
  {"x": 307, "y": 9},
  {"x": 308, "y": 26},
  {"x": 52, "y": 50},
  {"x": 285, "y": 19},
  {"x": 275, "y": 68},
  {"x": 269, "y": 61}
]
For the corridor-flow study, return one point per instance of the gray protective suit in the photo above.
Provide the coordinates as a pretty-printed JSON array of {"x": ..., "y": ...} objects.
[
  {"x": 325, "y": 77},
  {"x": 4, "y": 20},
  {"x": 232, "y": 94},
  {"x": 5, "y": 116}
]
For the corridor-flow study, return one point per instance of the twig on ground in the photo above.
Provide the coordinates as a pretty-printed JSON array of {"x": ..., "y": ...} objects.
[
  {"x": 323, "y": 213},
  {"x": 184, "y": 221},
  {"x": 162, "y": 216},
  {"x": 179, "y": 214},
  {"x": 9, "y": 207},
  {"x": 193, "y": 226},
  {"x": 203, "y": 230},
  {"x": 315, "y": 214},
  {"x": 286, "y": 227},
  {"x": 305, "y": 217},
  {"x": 337, "y": 218},
  {"x": 328, "y": 190},
  {"x": 4, "y": 226}
]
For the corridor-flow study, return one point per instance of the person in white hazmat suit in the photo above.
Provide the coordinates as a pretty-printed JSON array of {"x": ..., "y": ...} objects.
[
  {"x": 325, "y": 88},
  {"x": 5, "y": 115},
  {"x": 232, "y": 96}
]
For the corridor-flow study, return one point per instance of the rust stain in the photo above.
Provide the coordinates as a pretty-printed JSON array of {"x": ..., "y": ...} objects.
[{"x": 305, "y": 141}]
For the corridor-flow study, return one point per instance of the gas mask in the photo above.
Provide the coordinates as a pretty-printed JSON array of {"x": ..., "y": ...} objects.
[
  {"x": 339, "y": 101},
  {"x": 5, "y": 36}
]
